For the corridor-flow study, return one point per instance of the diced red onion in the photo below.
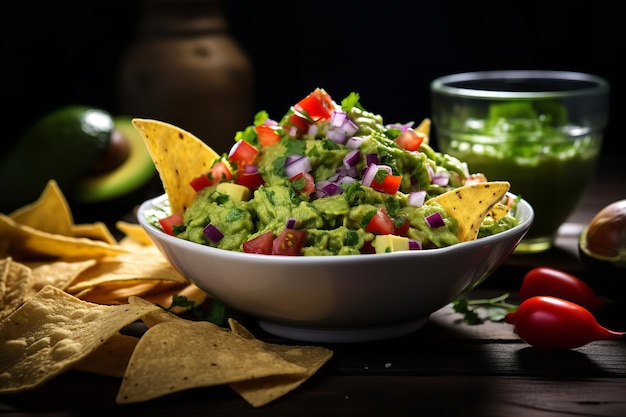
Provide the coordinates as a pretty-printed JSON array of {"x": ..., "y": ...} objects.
[
  {"x": 251, "y": 169},
  {"x": 435, "y": 220},
  {"x": 212, "y": 233},
  {"x": 291, "y": 223},
  {"x": 292, "y": 131},
  {"x": 336, "y": 136},
  {"x": 430, "y": 171},
  {"x": 440, "y": 179},
  {"x": 354, "y": 142},
  {"x": 415, "y": 244},
  {"x": 369, "y": 174},
  {"x": 292, "y": 158},
  {"x": 351, "y": 158},
  {"x": 400, "y": 126},
  {"x": 340, "y": 127},
  {"x": 338, "y": 118},
  {"x": 346, "y": 180},
  {"x": 371, "y": 171},
  {"x": 302, "y": 164},
  {"x": 417, "y": 198},
  {"x": 331, "y": 189},
  {"x": 312, "y": 130},
  {"x": 371, "y": 158},
  {"x": 270, "y": 122}
]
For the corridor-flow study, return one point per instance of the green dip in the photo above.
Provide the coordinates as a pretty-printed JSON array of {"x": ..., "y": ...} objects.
[
  {"x": 548, "y": 162},
  {"x": 335, "y": 224}
]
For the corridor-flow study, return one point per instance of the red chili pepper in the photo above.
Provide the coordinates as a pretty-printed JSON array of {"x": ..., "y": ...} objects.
[
  {"x": 549, "y": 281},
  {"x": 548, "y": 322}
]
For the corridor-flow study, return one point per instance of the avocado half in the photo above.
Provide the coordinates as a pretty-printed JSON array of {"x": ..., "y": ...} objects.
[
  {"x": 63, "y": 145},
  {"x": 602, "y": 248},
  {"x": 137, "y": 170}
]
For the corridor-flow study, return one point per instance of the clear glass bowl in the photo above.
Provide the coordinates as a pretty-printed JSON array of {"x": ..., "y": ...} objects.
[{"x": 540, "y": 130}]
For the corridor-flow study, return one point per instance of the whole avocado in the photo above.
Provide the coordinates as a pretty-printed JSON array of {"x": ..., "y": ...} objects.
[{"x": 64, "y": 145}]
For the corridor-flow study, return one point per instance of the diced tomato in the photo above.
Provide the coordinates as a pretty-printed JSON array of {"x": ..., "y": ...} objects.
[
  {"x": 380, "y": 223},
  {"x": 267, "y": 135},
  {"x": 252, "y": 180},
  {"x": 410, "y": 140},
  {"x": 200, "y": 182},
  {"x": 389, "y": 185},
  {"x": 289, "y": 242},
  {"x": 168, "y": 223},
  {"x": 318, "y": 105},
  {"x": 297, "y": 122},
  {"x": 401, "y": 225},
  {"x": 220, "y": 171},
  {"x": 261, "y": 244},
  {"x": 303, "y": 183},
  {"x": 475, "y": 178},
  {"x": 243, "y": 153}
]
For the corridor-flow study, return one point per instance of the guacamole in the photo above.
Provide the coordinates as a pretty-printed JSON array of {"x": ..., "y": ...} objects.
[{"x": 338, "y": 175}]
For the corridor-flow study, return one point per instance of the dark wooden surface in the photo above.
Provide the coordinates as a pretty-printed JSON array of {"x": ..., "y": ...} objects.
[{"x": 447, "y": 368}]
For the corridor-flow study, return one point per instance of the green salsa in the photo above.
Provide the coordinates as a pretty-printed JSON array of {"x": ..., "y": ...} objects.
[{"x": 547, "y": 162}]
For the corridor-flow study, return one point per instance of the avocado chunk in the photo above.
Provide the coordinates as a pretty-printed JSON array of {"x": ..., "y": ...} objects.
[
  {"x": 134, "y": 172},
  {"x": 64, "y": 145}
]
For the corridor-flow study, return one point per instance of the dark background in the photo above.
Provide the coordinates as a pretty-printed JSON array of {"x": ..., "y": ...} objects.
[{"x": 58, "y": 53}]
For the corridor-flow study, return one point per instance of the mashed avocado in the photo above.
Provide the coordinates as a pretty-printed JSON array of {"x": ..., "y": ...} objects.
[
  {"x": 340, "y": 214},
  {"x": 334, "y": 224}
]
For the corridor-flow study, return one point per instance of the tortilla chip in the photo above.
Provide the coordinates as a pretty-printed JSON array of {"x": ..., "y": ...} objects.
[
  {"x": 189, "y": 291},
  {"x": 146, "y": 263},
  {"x": 178, "y": 156},
  {"x": 53, "y": 331},
  {"x": 111, "y": 358},
  {"x": 26, "y": 243},
  {"x": 167, "y": 360},
  {"x": 470, "y": 204},
  {"x": 117, "y": 292},
  {"x": 134, "y": 232},
  {"x": 15, "y": 278},
  {"x": 5, "y": 264},
  {"x": 59, "y": 274},
  {"x": 424, "y": 128},
  {"x": 51, "y": 213},
  {"x": 154, "y": 317},
  {"x": 259, "y": 392}
]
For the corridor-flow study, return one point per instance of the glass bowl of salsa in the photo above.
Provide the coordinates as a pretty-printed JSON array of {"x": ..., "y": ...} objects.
[{"x": 540, "y": 130}]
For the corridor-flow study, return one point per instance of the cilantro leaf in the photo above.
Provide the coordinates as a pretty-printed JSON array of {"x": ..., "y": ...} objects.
[
  {"x": 478, "y": 311},
  {"x": 216, "y": 313}
]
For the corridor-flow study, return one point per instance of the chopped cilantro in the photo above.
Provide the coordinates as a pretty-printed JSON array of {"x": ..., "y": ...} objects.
[
  {"x": 261, "y": 117},
  {"x": 380, "y": 175},
  {"x": 352, "y": 238},
  {"x": 351, "y": 101},
  {"x": 479, "y": 310},
  {"x": 216, "y": 313},
  {"x": 235, "y": 214}
]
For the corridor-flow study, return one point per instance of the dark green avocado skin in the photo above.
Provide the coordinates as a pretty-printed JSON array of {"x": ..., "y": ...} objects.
[
  {"x": 606, "y": 276},
  {"x": 64, "y": 145}
]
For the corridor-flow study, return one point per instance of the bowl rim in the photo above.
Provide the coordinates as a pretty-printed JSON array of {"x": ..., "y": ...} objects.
[
  {"x": 149, "y": 204},
  {"x": 441, "y": 85}
]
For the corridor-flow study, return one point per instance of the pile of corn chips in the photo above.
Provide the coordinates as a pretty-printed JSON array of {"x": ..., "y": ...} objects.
[{"x": 68, "y": 290}]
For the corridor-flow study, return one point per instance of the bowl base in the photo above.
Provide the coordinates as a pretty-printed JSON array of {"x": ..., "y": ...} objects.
[{"x": 349, "y": 335}]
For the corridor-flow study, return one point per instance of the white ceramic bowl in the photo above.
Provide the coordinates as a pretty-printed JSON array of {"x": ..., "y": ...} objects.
[{"x": 338, "y": 298}]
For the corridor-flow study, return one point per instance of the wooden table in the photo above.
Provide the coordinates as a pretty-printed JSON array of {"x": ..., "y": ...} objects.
[{"x": 447, "y": 368}]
